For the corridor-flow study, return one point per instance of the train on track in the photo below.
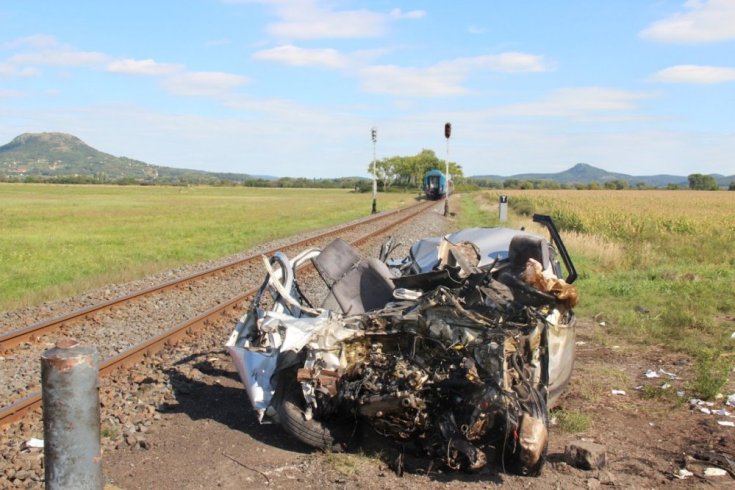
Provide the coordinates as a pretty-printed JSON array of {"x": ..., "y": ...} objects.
[{"x": 435, "y": 185}]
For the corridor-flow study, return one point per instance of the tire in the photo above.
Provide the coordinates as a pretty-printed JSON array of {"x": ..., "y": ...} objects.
[{"x": 311, "y": 432}]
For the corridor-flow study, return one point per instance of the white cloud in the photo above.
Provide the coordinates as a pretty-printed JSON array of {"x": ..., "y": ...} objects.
[
  {"x": 444, "y": 78},
  {"x": 204, "y": 83},
  {"x": 35, "y": 41},
  {"x": 577, "y": 102},
  {"x": 315, "y": 19},
  {"x": 411, "y": 82},
  {"x": 296, "y": 56},
  {"x": 147, "y": 67},
  {"x": 8, "y": 70},
  {"x": 699, "y": 74},
  {"x": 509, "y": 62},
  {"x": 702, "y": 22},
  {"x": 65, "y": 57}
]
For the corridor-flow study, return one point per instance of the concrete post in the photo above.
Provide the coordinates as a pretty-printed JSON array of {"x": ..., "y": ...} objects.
[{"x": 71, "y": 417}]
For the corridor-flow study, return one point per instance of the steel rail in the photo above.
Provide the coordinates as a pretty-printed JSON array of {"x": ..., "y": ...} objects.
[
  {"x": 30, "y": 333},
  {"x": 188, "y": 328}
]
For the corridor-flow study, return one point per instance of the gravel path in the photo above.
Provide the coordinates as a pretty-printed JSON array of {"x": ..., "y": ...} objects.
[{"x": 132, "y": 399}]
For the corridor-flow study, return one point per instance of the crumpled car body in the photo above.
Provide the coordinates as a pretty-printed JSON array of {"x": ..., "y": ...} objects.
[{"x": 459, "y": 348}]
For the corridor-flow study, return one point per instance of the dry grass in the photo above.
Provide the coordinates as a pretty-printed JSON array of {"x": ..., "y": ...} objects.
[{"x": 658, "y": 265}]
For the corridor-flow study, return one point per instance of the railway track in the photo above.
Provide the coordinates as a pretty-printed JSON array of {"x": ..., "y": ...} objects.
[{"x": 79, "y": 323}]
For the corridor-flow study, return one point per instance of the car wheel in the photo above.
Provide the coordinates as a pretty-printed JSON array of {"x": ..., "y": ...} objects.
[{"x": 311, "y": 432}]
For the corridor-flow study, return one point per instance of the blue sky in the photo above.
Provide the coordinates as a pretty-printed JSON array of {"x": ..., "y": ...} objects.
[{"x": 293, "y": 87}]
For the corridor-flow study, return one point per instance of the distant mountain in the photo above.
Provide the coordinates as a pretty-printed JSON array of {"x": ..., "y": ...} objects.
[
  {"x": 54, "y": 155},
  {"x": 583, "y": 173}
]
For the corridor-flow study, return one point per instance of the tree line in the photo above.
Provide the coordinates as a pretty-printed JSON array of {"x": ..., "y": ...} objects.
[{"x": 408, "y": 171}]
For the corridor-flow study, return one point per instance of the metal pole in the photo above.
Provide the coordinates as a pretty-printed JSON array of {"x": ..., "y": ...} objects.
[
  {"x": 71, "y": 416},
  {"x": 447, "y": 134},
  {"x": 374, "y": 136}
]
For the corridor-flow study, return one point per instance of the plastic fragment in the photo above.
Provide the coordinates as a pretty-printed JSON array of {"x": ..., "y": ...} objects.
[
  {"x": 580, "y": 342},
  {"x": 680, "y": 393},
  {"x": 670, "y": 375},
  {"x": 705, "y": 410},
  {"x": 712, "y": 471},
  {"x": 618, "y": 392},
  {"x": 722, "y": 412},
  {"x": 665, "y": 386},
  {"x": 731, "y": 400},
  {"x": 726, "y": 423},
  {"x": 698, "y": 402},
  {"x": 33, "y": 442},
  {"x": 651, "y": 373},
  {"x": 683, "y": 473}
]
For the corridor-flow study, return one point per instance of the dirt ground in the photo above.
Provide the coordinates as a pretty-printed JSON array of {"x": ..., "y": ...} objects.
[{"x": 210, "y": 438}]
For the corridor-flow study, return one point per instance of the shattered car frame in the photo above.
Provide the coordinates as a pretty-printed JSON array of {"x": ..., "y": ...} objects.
[{"x": 460, "y": 348}]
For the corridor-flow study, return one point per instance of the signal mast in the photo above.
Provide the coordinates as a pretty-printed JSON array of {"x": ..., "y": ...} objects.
[{"x": 447, "y": 134}]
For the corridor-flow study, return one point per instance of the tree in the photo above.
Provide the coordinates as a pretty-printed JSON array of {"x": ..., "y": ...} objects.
[
  {"x": 409, "y": 171},
  {"x": 732, "y": 186},
  {"x": 701, "y": 182}
]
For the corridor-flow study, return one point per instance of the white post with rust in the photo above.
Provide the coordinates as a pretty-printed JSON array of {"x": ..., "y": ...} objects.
[{"x": 71, "y": 417}]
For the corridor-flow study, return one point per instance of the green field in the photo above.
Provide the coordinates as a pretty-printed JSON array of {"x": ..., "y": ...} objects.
[
  {"x": 59, "y": 240},
  {"x": 656, "y": 267}
]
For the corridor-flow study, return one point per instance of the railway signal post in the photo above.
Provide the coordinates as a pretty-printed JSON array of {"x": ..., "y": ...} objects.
[
  {"x": 374, "y": 137},
  {"x": 447, "y": 134}
]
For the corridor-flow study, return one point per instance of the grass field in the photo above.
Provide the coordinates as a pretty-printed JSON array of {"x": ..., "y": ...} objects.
[
  {"x": 59, "y": 240},
  {"x": 657, "y": 267}
]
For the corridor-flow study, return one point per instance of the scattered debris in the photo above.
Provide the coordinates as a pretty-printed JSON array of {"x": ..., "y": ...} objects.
[
  {"x": 670, "y": 375},
  {"x": 726, "y": 423},
  {"x": 683, "y": 474},
  {"x": 651, "y": 373},
  {"x": 720, "y": 460},
  {"x": 712, "y": 471},
  {"x": 618, "y": 392},
  {"x": 641, "y": 309},
  {"x": 586, "y": 455},
  {"x": 34, "y": 443},
  {"x": 700, "y": 403},
  {"x": 731, "y": 400}
]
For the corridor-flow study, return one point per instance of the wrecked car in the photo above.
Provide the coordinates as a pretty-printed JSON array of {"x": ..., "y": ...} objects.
[{"x": 459, "y": 348}]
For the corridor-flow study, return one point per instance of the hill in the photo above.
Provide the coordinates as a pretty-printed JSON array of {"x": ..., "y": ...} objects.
[
  {"x": 58, "y": 155},
  {"x": 583, "y": 173}
]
